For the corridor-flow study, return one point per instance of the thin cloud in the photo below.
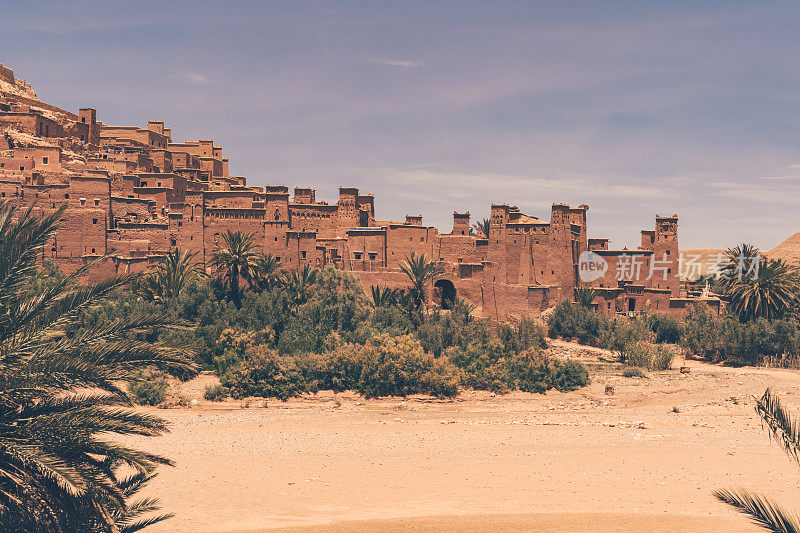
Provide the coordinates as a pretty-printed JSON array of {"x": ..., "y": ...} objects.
[
  {"x": 399, "y": 63},
  {"x": 195, "y": 78}
]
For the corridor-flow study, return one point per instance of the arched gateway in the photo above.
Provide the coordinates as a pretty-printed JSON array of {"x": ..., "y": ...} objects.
[{"x": 445, "y": 292}]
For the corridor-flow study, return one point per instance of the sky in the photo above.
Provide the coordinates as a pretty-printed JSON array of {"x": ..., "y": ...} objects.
[{"x": 635, "y": 108}]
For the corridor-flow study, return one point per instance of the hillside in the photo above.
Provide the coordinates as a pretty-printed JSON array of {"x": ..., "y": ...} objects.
[{"x": 788, "y": 250}]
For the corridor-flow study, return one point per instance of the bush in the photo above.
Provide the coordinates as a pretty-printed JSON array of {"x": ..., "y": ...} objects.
[
  {"x": 482, "y": 364},
  {"x": 633, "y": 372},
  {"x": 666, "y": 328},
  {"x": 662, "y": 358},
  {"x": 486, "y": 365},
  {"x": 151, "y": 391},
  {"x": 385, "y": 366},
  {"x": 528, "y": 334},
  {"x": 217, "y": 393},
  {"x": 532, "y": 371},
  {"x": 266, "y": 373},
  {"x": 724, "y": 338},
  {"x": 647, "y": 355},
  {"x": 575, "y": 321},
  {"x": 398, "y": 366}
]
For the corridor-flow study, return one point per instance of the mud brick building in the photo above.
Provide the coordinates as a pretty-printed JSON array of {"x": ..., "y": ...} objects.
[{"x": 136, "y": 193}]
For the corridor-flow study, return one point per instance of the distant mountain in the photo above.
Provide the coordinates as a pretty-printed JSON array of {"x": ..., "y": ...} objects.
[{"x": 788, "y": 250}]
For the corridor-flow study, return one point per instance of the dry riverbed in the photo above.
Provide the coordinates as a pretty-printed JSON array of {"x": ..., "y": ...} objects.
[{"x": 645, "y": 458}]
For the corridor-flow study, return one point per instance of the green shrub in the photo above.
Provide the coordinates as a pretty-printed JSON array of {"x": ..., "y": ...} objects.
[
  {"x": 725, "y": 338},
  {"x": 385, "y": 366},
  {"x": 482, "y": 364},
  {"x": 633, "y": 372},
  {"x": 647, "y": 355},
  {"x": 398, "y": 366},
  {"x": 576, "y": 321},
  {"x": 266, "y": 373},
  {"x": 217, "y": 393},
  {"x": 528, "y": 334},
  {"x": 487, "y": 365},
  {"x": 662, "y": 358},
  {"x": 666, "y": 328},
  {"x": 567, "y": 375},
  {"x": 152, "y": 391},
  {"x": 533, "y": 371}
]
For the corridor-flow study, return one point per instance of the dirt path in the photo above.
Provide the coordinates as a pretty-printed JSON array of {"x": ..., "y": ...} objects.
[{"x": 581, "y": 461}]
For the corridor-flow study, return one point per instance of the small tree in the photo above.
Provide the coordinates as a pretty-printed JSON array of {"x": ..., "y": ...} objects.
[
  {"x": 482, "y": 227},
  {"x": 236, "y": 260},
  {"x": 172, "y": 273},
  {"x": 420, "y": 273},
  {"x": 771, "y": 292},
  {"x": 585, "y": 296}
]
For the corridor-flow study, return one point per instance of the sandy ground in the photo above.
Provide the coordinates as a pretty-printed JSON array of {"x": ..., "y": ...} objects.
[{"x": 581, "y": 461}]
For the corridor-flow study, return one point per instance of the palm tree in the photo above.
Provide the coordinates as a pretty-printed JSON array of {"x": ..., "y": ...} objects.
[
  {"x": 739, "y": 262},
  {"x": 771, "y": 291},
  {"x": 462, "y": 309},
  {"x": 384, "y": 297},
  {"x": 420, "y": 272},
  {"x": 764, "y": 511},
  {"x": 482, "y": 226},
  {"x": 173, "y": 272},
  {"x": 299, "y": 283},
  {"x": 585, "y": 296},
  {"x": 236, "y": 260},
  {"x": 135, "y": 516},
  {"x": 266, "y": 272},
  {"x": 62, "y": 392}
]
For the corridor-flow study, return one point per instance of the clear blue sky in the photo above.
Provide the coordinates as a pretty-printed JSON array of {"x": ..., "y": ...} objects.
[{"x": 634, "y": 108}]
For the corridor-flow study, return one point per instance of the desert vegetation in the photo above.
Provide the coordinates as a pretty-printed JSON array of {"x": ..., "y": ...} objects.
[
  {"x": 76, "y": 357},
  {"x": 759, "y": 326},
  {"x": 272, "y": 333},
  {"x": 63, "y": 392}
]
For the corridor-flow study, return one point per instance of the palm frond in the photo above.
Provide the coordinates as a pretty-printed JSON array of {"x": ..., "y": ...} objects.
[
  {"x": 782, "y": 427},
  {"x": 764, "y": 511}
]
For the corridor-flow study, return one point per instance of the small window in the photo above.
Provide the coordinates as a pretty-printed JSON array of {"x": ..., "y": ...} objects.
[
  {"x": 94, "y": 221},
  {"x": 159, "y": 184},
  {"x": 276, "y": 239},
  {"x": 303, "y": 254},
  {"x": 96, "y": 202},
  {"x": 357, "y": 255},
  {"x": 144, "y": 184},
  {"x": 83, "y": 119},
  {"x": 45, "y": 160},
  {"x": 83, "y": 201},
  {"x": 372, "y": 256},
  {"x": 66, "y": 195},
  {"x": 93, "y": 250},
  {"x": 22, "y": 168}
]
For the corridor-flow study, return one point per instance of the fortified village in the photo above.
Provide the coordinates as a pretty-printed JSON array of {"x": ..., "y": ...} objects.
[{"x": 137, "y": 194}]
